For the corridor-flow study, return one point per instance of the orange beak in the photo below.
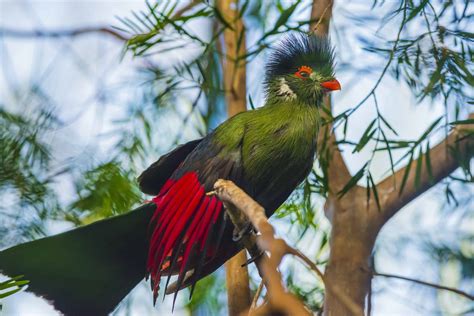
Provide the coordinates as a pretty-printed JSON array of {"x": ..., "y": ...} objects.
[{"x": 331, "y": 85}]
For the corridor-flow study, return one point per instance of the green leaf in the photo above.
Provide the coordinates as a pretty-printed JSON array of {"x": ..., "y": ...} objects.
[
  {"x": 388, "y": 125},
  {"x": 435, "y": 77},
  {"x": 221, "y": 18},
  {"x": 201, "y": 13},
  {"x": 407, "y": 172},
  {"x": 417, "y": 10},
  {"x": 104, "y": 191},
  {"x": 462, "y": 122},
  {"x": 428, "y": 131},
  {"x": 450, "y": 197},
  {"x": 374, "y": 190},
  {"x": 243, "y": 8},
  {"x": 365, "y": 137},
  {"x": 419, "y": 165},
  {"x": 367, "y": 188},
  {"x": 252, "y": 106},
  {"x": 428, "y": 162},
  {"x": 284, "y": 17},
  {"x": 15, "y": 283},
  {"x": 389, "y": 152},
  {"x": 3, "y": 295},
  {"x": 353, "y": 181}
]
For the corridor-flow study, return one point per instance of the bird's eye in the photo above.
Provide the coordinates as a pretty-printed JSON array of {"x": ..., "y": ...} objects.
[{"x": 303, "y": 72}]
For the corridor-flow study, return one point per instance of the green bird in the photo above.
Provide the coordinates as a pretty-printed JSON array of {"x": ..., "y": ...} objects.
[{"x": 184, "y": 232}]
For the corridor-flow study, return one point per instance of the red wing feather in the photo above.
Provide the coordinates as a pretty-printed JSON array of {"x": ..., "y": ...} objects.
[{"x": 181, "y": 206}]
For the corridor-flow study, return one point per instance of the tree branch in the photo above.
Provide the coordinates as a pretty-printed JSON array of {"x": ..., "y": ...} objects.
[
  {"x": 437, "y": 286},
  {"x": 238, "y": 289},
  {"x": 443, "y": 163},
  {"x": 338, "y": 174},
  {"x": 241, "y": 209},
  {"x": 234, "y": 65},
  {"x": 8, "y": 32},
  {"x": 64, "y": 33},
  {"x": 237, "y": 279},
  {"x": 256, "y": 296},
  {"x": 321, "y": 12},
  {"x": 179, "y": 13}
]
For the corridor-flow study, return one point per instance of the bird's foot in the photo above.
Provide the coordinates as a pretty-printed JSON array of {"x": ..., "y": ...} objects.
[{"x": 248, "y": 228}]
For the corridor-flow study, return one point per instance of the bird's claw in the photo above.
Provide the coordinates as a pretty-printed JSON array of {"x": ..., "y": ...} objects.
[{"x": 239, "y": 234}]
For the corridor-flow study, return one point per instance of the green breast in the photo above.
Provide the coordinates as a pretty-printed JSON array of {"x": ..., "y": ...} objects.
[
  {"x": 279, "y": 144},
  {"x": 274, "y": 146}
]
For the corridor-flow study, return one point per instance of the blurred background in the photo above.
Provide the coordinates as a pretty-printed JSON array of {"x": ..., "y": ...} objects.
[{"x": 83, "y": 111}]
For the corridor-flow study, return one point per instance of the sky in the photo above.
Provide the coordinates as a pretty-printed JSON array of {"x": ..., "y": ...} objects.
[{"x": 94, "y": 63}]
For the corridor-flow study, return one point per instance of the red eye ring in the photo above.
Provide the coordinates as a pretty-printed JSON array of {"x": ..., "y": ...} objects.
[{"x": 303, "y": 72}]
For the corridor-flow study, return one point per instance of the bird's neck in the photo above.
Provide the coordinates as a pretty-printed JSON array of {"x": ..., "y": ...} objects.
[{"x": 294, "y": 113}]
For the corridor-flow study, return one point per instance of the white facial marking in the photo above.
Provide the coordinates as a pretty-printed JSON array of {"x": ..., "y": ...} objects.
[
  {"x": 285, "y": 91},
  {"x": 315, "y": 76}
]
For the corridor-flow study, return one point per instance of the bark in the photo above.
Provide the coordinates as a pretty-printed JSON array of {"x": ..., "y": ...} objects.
[
  {"x": 238, "y": 290},
  {"x": 351, "y": 240},
  {"x": 234, "y": 65},
  {"x": 444, "y": 163},
  {"x": 269, "y": 252},
  {"x": 356, "y": 224},
  {"x": 338, "y": 173},
  {"x": 237, "y": 278}
]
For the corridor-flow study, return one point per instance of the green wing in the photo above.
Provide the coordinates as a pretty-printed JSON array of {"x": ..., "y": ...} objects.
[{"x": 152, "y": 179}]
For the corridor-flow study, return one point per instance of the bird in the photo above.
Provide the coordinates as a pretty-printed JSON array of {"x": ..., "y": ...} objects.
[{"x": 184, "y": 231}]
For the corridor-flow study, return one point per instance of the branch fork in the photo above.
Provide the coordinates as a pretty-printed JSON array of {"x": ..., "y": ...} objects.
[{"x": 269, "y": 252}]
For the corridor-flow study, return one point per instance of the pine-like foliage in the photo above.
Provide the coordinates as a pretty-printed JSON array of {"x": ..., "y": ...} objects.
[{"x": 426, "y": 45}]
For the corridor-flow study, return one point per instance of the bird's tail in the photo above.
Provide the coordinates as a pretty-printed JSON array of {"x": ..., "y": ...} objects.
[{"x": 88, "y": 270}]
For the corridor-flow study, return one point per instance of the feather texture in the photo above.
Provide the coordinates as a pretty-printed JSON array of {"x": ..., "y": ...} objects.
[
  {"x": 300, "y": 49},
  {"x": 181, "y": 228}
]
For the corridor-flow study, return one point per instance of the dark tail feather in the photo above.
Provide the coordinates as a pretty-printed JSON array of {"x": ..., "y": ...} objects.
[{"x": 88, "y": 270}]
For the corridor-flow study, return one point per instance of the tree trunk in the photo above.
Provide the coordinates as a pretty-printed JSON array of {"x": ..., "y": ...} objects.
[
  {"x": 352, "y": 241},
  {"x": 238, "y": 291},
  {"x": 237, "y": 277}
]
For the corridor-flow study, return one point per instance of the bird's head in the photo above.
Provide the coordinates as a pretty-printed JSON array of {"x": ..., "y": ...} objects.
[{"x": 301, "y": 69}]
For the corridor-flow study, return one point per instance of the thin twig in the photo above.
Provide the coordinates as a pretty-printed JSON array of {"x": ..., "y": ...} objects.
[
  {"x": 384, "y": 71},
  {"x": 184, "y": 9},
  {"x": 369, "y": 299},
  {"x": 370, "y": 292},
  {"x": 256, "y": 296},
  {"x": 346, "y": 300},
  {"x": 238, "y": 289},
  {"x": 437, "y": 286},
  {"x": 337, "y": 170},
  {"x": 63, "y": 33},
  {"x": 84, "y": 30},
  {"x": 321, "y": 17}
]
